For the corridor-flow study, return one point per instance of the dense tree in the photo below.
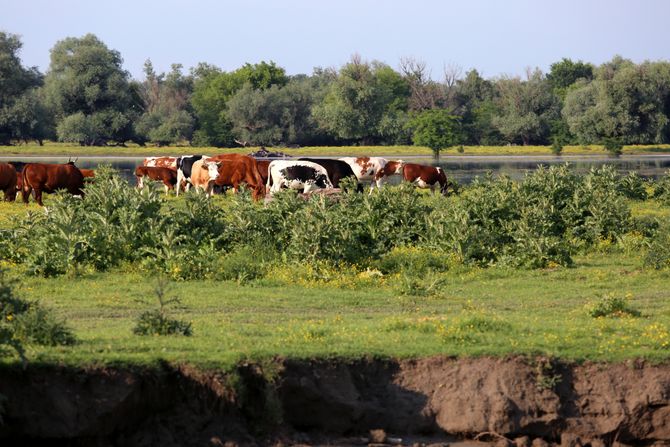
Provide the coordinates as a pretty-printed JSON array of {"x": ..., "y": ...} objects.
[
  {"x": 166, "y": 118},
  {"x": 89, "y": 92},
  {"x": 436, "y": 129},
  {"x": 213, "y": 89},
  {"x": 476, "y": 98},
  {"x": 625, "y": 102},
  {"x": 357, "y": 101},
  {"x": 526, "y": 109},
  {"x": 566, "y": 72},
  {"x": 273, "y": 115},
  {"x": 22, "y": 112}
]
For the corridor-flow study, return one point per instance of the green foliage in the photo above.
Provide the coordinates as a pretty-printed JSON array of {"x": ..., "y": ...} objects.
[
  {"x": 436, "y": 129},
  {"x": 39, "y": 326},
  {"x": 658, "y": 255},
  {"x": 556, "y": 147},
  {"x": 157, "y": 322},
  {"x": 613, "y": 146},
  {"x": 625, "y": 103},
  {"x": 89, "y": 92},
  {"x": 359, "y": 99},
  {"x": 212, "y": 89},
  {"x": 526, "y": 108},
  {"x": 564, "y": 73},
  {"x": 22, "y": 112},
  {"x": 633, "y": 186},
  {"x": 23, "y": 322},
  {"x": 612, "y": 306}
]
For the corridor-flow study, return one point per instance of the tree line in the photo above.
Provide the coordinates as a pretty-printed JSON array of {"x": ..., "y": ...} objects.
[{"x": 87, "y": 98}]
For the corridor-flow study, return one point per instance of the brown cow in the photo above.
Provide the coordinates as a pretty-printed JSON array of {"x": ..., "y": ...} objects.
[
  {"x": 236, "y": 169},
  {"x": 42, "y": 177},
  {"x": 425, "y": 176},
  {"x": 8, "y": 181},
  {"x": 165, "y": 175},
  {"x": 161, "y": 162}
]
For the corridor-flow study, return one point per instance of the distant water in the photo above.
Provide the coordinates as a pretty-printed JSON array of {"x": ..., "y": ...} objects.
[{"x": 460, "y": 168}]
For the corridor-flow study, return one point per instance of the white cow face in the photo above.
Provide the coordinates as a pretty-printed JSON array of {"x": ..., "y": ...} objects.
[{"x": 212, "y": 168}]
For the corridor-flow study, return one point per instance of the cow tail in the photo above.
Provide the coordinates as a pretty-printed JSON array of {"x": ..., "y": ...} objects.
[
  {"x": 268, "y": 185},
  {"x": 25, "y": 190}
]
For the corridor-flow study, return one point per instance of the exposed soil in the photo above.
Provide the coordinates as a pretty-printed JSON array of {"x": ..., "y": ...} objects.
[{"x": 339, "y": 402}]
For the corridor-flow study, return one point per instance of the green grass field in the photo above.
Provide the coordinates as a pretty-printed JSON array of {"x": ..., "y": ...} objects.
[
  {"x": 64, "y": 149},
  {"x": 472, "y": 312},
  {"x": 301, "y": 312}
]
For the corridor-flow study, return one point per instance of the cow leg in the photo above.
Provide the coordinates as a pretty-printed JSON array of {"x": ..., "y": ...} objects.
[
  {"x": 167, "y": 188},
  {"x": 38, "y": 196},
  {"x": 180, "y": 178},
  {"x": 140, "y": 182}
]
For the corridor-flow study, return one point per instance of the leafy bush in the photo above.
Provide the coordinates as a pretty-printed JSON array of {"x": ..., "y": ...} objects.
[
  {"x": 157, "y": 322},
  {"x": 662, "y": 189},
  {"x": 242, "y": 265},
  {"x": 613, "y": 146},
  {"x": 633, "y": 186},
  {"x": 22, "y": 322},
  {"x": 658, "y": 255},
  {"x": 39, "y": 326},
  {"x": 612, "y": 306}
]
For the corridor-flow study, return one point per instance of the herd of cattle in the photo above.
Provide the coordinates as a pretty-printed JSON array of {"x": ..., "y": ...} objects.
[{"x": 224, "y": 171}]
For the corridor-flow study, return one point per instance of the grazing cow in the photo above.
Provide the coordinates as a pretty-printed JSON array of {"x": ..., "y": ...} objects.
[
  {"x": 425, "y": 176},
  {"x": 165, "y": 175},
  {"x": 161, "y": 162},
  {"x": 41, "y": 177},
  {"x": 236, "y": 169},
  {"x": 8, "y": 181},
  {"x": 18, "y": 165},
  {"x": 295, "y": 174},
  {"x": 337, "y": 169},
  {"x": 368, "y": 169},
  {"x": 184, "y": 166},
  {"x": 203, "y": 174}
]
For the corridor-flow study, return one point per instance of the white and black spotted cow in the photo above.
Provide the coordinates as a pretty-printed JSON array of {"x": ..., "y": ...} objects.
[
  {"x": 295, "y": 174},
  {"x": 184, "y": 167}
]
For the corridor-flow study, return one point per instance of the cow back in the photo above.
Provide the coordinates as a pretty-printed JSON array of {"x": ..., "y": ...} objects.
[
  {"x": 337, "y": 169},
  {"x": 51, "y": 177}
]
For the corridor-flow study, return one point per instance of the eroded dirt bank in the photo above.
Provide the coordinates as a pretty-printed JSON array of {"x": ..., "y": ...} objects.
[{"x": 307, "y": 402}]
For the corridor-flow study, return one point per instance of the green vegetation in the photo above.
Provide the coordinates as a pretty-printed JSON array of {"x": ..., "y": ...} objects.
[
  {"x": 87, "y": 98},
  {"x": 538, "y": 266}
]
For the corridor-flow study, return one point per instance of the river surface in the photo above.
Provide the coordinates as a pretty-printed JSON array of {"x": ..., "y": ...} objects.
[{"x": 463, "y": 169}]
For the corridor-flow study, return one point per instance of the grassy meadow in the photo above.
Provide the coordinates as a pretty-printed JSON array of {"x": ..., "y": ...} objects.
[
  {"x": 66, "y": 149},
  {"x": 319, "y": 310}
]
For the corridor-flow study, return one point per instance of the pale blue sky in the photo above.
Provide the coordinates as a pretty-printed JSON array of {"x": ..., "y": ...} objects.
[{"x": 495, "y": 37}]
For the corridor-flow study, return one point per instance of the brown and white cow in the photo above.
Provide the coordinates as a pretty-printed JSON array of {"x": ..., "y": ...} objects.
[
  {"x": 203, "y": 175},
  {"x": 425, "y": 176},
  {"x": 371, "y": 169},
  {"x": 165, "y": 175},
  {"x": 8, "y": 178},
  {"x": 161, "y": 162},
  {"x": 41, "y": 177}
]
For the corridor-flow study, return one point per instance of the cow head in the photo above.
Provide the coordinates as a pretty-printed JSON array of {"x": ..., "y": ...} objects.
[
  {"x": 395, "y": 167},
  {"x": 212, "y": 168},
  {"x": 322, "y": 181}
]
